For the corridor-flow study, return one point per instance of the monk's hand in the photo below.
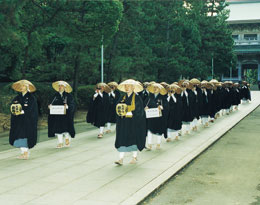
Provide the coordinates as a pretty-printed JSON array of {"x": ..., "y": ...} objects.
[
  {"x": 146, "y": 108},
  {"x": 49, "y": 106}
]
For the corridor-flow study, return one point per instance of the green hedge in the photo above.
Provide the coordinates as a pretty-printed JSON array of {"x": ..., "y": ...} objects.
[{"x": 85, "y": 94}]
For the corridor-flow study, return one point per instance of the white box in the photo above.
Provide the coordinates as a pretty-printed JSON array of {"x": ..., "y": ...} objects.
[
  {"x": 153, "y": 112},
  {"x": 57, "y": 110}
]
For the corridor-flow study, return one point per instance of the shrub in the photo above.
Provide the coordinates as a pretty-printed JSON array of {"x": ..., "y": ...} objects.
[
  {"x": 43, "y": 93},
  {"x": 85, "y": 94}
]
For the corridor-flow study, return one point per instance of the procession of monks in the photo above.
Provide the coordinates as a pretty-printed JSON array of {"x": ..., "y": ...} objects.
[
  {"x": 144, "y": 113},
  {"x": 181, "y": 107}
]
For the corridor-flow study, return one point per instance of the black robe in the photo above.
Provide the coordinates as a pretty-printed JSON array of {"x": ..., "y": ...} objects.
[
  {"x": 98, "y": 111},
  {"x": 144, "y": 94},
  {"x": 186, "y": 111},
  {"x": 193, "y": 104},
  {"x": 199, "y": 98},
  {"x": 112, "y": 106},
  {"x": 157, "y": 125},
  {"x": 131, "y": 131},
  {"x": 212, "y": 102},
  {"x": 25, "y": 125},
  {"x": 58, "y": 124},
  {"x": 245, "y": 93},
  {"x": 236, "y": 100},
  {"x": 175, "y": 113},
  {"x": 205, "y": 108},
  {"x": 227, "y": 98}
]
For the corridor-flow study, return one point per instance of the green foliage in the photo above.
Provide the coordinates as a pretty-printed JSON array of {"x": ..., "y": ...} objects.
[
  {"x": 49, "y": 40},
  {"x": 85, "y": 94},
  {"x": 44, "y": 92}
]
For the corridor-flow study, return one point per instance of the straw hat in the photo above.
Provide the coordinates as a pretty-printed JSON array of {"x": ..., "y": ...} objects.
[
  {"x": 228, "y": 83},
  {"x": 137, "y": 86},
  {"x": 236, "y": 85},
  {"x": 175, "y": 87},
  {"x": 67, "y": 86},
  {"x": 164, "y": 84},
  {"x": 151, "y": 87},
  {"x": 17, "y": 86},
  {"x": 113, "y": 84},
  {"x": 204, "y": 84},
  {"x": 195, "y": 81},
  {"x": 213, "y": 81},
  {"x": 107, "y": 89},
  {"x": 145, "y": 84}
]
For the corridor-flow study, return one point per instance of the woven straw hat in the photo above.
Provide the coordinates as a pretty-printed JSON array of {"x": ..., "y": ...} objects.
[
  {"x": 17, "y": 86},
  {"x": 67, "y": 86},
  {"x": 152, "y": 87},
  {"x": 137, "y": 86}
]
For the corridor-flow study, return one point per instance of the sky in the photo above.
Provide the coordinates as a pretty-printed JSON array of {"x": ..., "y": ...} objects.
[{"x": 244, "y": 11}]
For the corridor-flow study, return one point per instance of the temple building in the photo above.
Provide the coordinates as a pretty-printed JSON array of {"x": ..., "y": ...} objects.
[{"x": 244, "y": 20}]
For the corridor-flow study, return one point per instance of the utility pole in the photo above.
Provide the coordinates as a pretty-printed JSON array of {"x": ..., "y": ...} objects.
[
  {"x": 102, "y": 60},
  {"x": 212, "y": 67}
]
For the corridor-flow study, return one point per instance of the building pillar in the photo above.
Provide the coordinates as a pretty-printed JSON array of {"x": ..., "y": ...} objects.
[
  {"x": 239, "y": 67},
  {"x": 258, "y": 73}
]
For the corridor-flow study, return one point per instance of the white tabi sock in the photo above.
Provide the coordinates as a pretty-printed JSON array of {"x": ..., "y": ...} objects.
[
  {"x": 121, "y": 155},
  {"x": 149, "y": 137},
  {"x": 159, "y": 139},
  {"x": 192, "y": 124},
  {"x": 60, "y": 138},
  {"x": 134, "y": 154},
  {"x": 22, "y": 150},
  {"x": 101, "y": 130},
  {"x": 204, "y": 120},
  {"x": 108, "y": 126},
  {"x": 67, "y": 136},
  {"x": 188, "y": 127},
  {"x": 195, "y": 122}
]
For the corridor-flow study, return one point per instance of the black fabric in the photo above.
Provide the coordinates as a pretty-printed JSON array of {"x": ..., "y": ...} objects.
[
  {"x": 205, "y": 108},
  {"x": 157, "y": 125},
  {"x": 199, "y": 98},
  {"x": 98, "y": 111},
  {"x": 175, "y": 113},
  {"x": 62, "y": 123},
  {"x": 186, "y": 111},
  {"x": 245, "y": 93},
  {"x": 144, "y": 94},
  {"x": 193, "y": 104},
  {"x": 227, "y": 98},
  {"x": 237, "y": 99},
  {"x": 132, "y": 131},
  {"x": 218, "y": 99},
  {"x": 25, "y": 125},
  {"x": 112, "y": 106},
  {"x": 212, "y": 102},
  {"x": 221, "y": 94}
]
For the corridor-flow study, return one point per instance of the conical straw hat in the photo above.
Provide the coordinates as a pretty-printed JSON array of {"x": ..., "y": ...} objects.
[
  {"x": 151, "y": 87},
  {"x": 67, "y": 86},
  {"x": 107, "y": 89},
  {"x": 175, "y": 87},
  {"x": 195, "y": 81},
  {"x": 115, "y": 84},
  {"x": 17, "y": 86},
  {"x": 137, "y": 86}
]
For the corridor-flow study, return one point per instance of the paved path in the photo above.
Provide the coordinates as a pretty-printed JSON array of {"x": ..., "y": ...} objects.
[{"x": 85, "y": 172}]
